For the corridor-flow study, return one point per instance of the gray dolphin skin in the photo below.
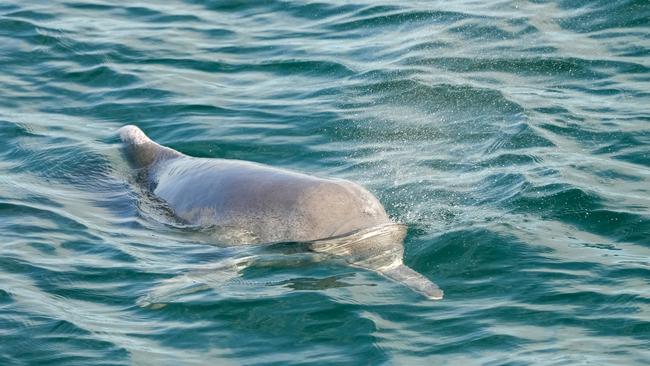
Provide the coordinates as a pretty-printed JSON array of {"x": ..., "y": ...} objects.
[{"x": 272, "y": 205}]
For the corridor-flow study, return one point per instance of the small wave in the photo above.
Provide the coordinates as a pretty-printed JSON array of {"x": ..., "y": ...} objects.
[
  {"x": 385, "y": 17},
  {"x": 602, "y": 15},
  {"x": 511, "y": 138},
  {"x": 97, "y": 76}
]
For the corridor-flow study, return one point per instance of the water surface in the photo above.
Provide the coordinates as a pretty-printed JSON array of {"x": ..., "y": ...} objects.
[{"x": 512, "y": 137}]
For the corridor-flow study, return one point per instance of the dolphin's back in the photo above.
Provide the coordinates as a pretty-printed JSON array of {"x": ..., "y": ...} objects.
[{"x": 269, "y": 203}]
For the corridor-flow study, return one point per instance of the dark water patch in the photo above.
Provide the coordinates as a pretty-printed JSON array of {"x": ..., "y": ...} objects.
[
  {"x": 108, "y": 294},
  {"x": 38, "y": 36},
  {"x": 544, "y": 50},
  {"x": 128, "y": 112},
  {"x": 500, "y": 187},
  {"x": 16, "y": 27},
  {"x": 406, "y": 18},
  {"x": 305, "y": 67},
  {"x": 484, "y": 341},
  {"x": 155, "y": 16},
  {"x": 246, "y": 8},
  {"x": 312, "y": 10},
  {"x": 67, "y": 166},
  {"x": 44, "y": 248},
  {"x": 55, "y": 44},
  {"x": 221, "y": 33},
  {"x": 88, "y": 6},
  {"x": 376, "y": 9},
  {"x": 379, "y": 75},
  {"x": 100, "y": 285},
  {"x": 207, "y": 66},
  {"x": 266, "y": 326},
  {"x": 517, "y": 136},
  {"x": 440, "y": 97},
  {"x": 30, "y": 198},
  {"x": 267, "y": 153},
  {"x": 632, "y": 50},
  {"x": 571, "y": 68},
  {"x": 556, "y": 198},
  {"x": 94, "y": 274},
  {"x": 270, "y": 50},
  {"x": 318, "y": 11},
  {"x": 282, "y": 66},
  {"x": 129, "y": 93},
  {"x": 26, "y": 211},
  {"x": 595, "y": 325},
  {"x": 622, "y": 226},
  {"x": 639, "y": 157},
  {"x": 620, "y": 143},
  {"x": 98, "y": 249},
  {"x": 473, "y": 263},
  {"x": 429, "y": 45},
  {"x": 96, "y": 76},
  {"x": 11, "y": 131},
  {"x": 592, "y": 303},
  {"x": 5, "y": 297},
  {"x": 614, "y": 140},
  {"x": 479, "y": 31},
  {"x": 447, "y": 165},
  {"x": 601, "y": 15},
  {"x": 353, "y": 131},
  {"x": 30, "y": 14},
  {"x": 73, "y": 345},
  {"x": 630, "y": 273},
  {"x": 510, "y": 159},
  {"x": 9, "y": 7},
  {"x": 583, "y": 209},
  {"x": 614, "y": 175}
]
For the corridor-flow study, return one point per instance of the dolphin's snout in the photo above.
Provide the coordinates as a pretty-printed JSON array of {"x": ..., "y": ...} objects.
[{"x": 415, "y": 281}]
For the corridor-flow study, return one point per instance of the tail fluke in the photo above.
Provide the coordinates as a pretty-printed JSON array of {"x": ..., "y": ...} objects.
[{"x": 415, "y": 281}]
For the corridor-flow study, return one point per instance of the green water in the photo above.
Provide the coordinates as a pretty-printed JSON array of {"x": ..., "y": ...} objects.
[{"x": 512, "y": 137}]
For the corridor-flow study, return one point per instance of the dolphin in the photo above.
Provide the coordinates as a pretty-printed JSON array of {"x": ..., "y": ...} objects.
[{"x": 271, "y": 205}]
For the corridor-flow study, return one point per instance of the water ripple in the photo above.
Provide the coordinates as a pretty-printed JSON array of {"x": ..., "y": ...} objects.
[{"x": 510, "y": 137}]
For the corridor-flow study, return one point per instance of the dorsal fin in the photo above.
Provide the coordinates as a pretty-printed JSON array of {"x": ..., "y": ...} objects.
[{"x": 141, "y": 150}]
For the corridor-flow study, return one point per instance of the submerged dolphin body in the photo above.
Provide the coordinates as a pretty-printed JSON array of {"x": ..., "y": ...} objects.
[{"x": 274, "y": 205}]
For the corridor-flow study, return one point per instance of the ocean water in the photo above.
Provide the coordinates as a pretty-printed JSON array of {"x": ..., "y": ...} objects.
[{"x": 511, "y": 137}]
